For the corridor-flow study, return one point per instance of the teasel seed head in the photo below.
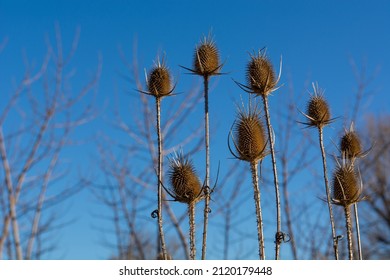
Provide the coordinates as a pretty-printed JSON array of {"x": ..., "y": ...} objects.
[
  {"x": 186, "y": 187},
  {"x": 317, "y": 111},
  {"x": 260, "y": 74},
  {"x": 159, "y": 81},
  {"x": 249, "y": 137},
  {"x": 206, "y": 58},
  {"x": 346, "y": 189},
  {"x": 350, "y": 145}
]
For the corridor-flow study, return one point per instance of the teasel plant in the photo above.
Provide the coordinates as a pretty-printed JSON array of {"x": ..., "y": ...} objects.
[
  {"x": 206, "y": 63},
  {"x": 318, "y": 116},
  {"x": 250, "y": 142},
  {"x": 262, "y": 81},
  {"x": 185, "y": 188},
  {"x": 159, "y": 84},
  {"x": 347, "y": 191},
  {"x": 351, "y": 149}
]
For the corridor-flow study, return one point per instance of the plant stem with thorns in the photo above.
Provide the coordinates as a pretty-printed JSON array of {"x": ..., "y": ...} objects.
[
  {"x": 191, "y": 218},
  {"x": 355, "y": 206},
  {"x": 279, "y": 234},
  {"x": 328, "y": 198},
  {"x": 159, "y": 187},
  {"x": 259, "y": 218},
  {"x": 348, "y": 224},
  {"x": 207, "y": 180}
]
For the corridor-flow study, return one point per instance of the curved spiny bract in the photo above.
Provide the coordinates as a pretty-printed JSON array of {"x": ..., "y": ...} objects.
[{"x": 260, "y": 74}]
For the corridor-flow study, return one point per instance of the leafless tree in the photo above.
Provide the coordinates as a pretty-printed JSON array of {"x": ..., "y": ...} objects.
[{"x": 36, "y": 124}]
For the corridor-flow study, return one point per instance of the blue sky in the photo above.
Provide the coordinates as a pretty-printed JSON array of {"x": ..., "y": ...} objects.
[{"x": 317, "y": 40}]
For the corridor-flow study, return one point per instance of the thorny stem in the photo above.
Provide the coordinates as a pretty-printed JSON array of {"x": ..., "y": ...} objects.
[
  {"x": 335, "y": 240},
  {"x": 259, "y": 218},
  {"x": 355, "y": 206},
  {"x": 207, "y": 180},
  {"x": 348, "y": 224},
  {"x": 278, "y": 235},
  {"x": 191, "y": 218},
  {"x": 159, "y": 180}
]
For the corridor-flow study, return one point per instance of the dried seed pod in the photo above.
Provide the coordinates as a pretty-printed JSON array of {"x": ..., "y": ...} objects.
[
  {"x": 250, "y": 136},
  {"x": 185, "y": 183},
  {"x": 159, "y": 81},
  {"x": 350, "y": 145},
  {"x": 345, "y": 190},
  {"x": 318, "y": 111},
  {"x": 206, "y": 59},
  {"x": 260, "y": 74}
]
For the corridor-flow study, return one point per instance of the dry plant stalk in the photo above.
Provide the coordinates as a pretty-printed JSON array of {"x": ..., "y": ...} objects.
[
  {"x": 318, "y": 115},
  {"x": 206, "y": 63},
  {"x": 346, "y": 191},
  {"x": 251, "y": 147},
  {"x": 159, "y": 85},
  {"x": 351, "y": 149},
  {"x": 262, "y": 82},
  {"x": 185, "y": 188}
]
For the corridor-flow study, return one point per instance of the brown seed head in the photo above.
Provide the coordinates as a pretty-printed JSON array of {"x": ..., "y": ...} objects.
[
  {"x": 159, "y": 81},
  {"x": 260, "y": 74},
  {"x": 345, "y": 186},
  {"x": 350, "y": 145},
  {"x": 318, "y": 111},
  {"x": 250, "y": 135},
  {"x": 206, "y": 59},
  {"x": 185, "y": 184}
]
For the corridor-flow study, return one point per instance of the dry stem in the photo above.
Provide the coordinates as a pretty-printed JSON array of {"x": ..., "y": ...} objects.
[
  {"x": 328, "y": 198},
  {"x": 259, "y": 218},
  {"x": 207, "y": 180},
  {"x": 279, "y": 234}
]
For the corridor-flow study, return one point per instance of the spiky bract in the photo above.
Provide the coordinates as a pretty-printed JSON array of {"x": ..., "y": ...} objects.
[
  {"x": 250, "y": 136},
  {"x": 206, "y": 59},
  {"x": 346, "y": 190},
  {"x": 159, "y": 81},
  {"x": 185, "y": 183},
  {"x": 260, "y": 74}
]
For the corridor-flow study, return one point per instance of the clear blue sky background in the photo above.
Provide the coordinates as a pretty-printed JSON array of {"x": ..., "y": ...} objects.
[{"x": 317, "y": 40}]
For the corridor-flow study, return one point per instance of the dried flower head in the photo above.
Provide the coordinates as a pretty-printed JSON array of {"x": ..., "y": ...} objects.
[
  {"x": 159, "y": 81},
  {"x": 260, "y": 74},
  {"x": 186, "y": 187},
  {"x": 206, "y": 58},
  {"x": 351, "y": 146},
  {"x": 346, "y": 189},
  {"x": 317, "y": 111},
  {"x": 250, "y": 136}
]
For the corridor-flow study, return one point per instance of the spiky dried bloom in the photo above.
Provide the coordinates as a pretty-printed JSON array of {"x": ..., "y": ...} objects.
[
  {"x": 159, "y": 81},
  {"x": 350, "y": 145},
  {"x": 317, "y": 110},
  {"x": 260, "y": 74},
  {"x": 185, "y": 183},
  {"x": 206, "y": 58},
  {"x": 346, "y": 190},
  {"x": 249, "y": 136}
]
